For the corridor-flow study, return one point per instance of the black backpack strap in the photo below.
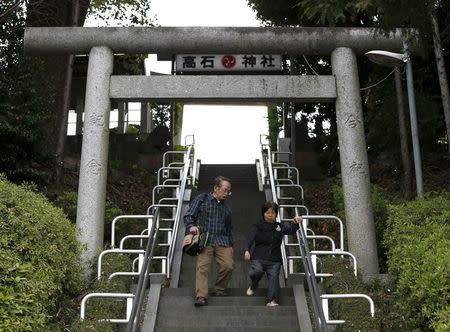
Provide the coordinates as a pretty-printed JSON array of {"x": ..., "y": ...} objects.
[{"x": 200, "y": 222}]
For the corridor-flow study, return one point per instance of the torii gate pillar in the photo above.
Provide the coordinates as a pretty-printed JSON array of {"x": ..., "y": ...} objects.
[
  {"x": 354, "y": 162},
  {"x": 94, "y": 153}
]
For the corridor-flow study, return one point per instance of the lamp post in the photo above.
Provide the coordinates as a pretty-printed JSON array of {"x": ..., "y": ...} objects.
[{"x": 391, "y": 59}]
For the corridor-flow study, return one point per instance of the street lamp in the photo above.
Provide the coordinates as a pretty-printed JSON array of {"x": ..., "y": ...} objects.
[{"x": 391, "y": 59}]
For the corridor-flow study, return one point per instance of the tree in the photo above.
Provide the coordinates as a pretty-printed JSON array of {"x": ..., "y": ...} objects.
[
  {"x": 392, "y": 14},
  {"x": 50, "y": 124},
  {"x": 288, "y": 13},
  {"x": 385, "y": 15},
  {"x": 22, "y": 101}
]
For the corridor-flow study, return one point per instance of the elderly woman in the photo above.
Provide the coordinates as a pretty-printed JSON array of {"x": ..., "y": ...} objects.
[{"x": 267, "y": 235}]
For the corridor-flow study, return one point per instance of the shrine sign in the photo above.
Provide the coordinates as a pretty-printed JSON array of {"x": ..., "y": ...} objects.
[{"x": 227, "y": 62}]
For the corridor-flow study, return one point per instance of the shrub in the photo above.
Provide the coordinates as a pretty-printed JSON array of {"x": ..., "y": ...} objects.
[
  {"x": 355, "y": 312},
  {"x": 68, "y": 202},
  {"x": 380, "y": 200},
  {"x": 418, "y": 241},
  {"x": 39, "y": 259},
  {"x": 101, "y": 308}
]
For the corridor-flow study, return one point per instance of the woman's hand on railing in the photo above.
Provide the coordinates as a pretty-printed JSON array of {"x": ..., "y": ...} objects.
[
  {"x": 297, "y": 220},
  {"x": 193, "y": 229},
  {"x": 247, "y": 255}
]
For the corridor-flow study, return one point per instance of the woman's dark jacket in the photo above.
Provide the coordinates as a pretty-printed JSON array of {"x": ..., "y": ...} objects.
[{"x": 267, "y": 238}]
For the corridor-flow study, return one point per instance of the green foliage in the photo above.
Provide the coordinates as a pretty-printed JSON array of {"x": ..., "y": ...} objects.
[
  {"x": 274, "y": 117},
  {"x": 380, "y": 201},
  {"x": 39, "y": 259},
  {"x": 179, "y": 107},
  {"x": 160, "y": 115},
  {"x": 356, "y": 312},
  {"x": 133, "y": 129},
  {"x": 276, "y": 13},
  {"x": 380, "y": 112},
  {"x": 335, "y": 12},
  {"x": 406, "y": 232},
  {"x": 22, "y": 102},
  {"x": 101, "y": 308},
  {"x": 418, "y": 238},
  {"x": 68, "y": 202},
  {"x": 121, "y": 12}
]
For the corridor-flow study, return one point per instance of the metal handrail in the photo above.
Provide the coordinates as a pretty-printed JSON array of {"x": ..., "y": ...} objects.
[
  {"x": 259, "y": 176},
  {"x": 341, "y": 226},
  {"x": 162, "y": 186},
  {"x": 134, "y": 301},
  {"x": 303, "y": 245},
  {"x": 323, "y": 237},
  {"x": 147, "y": 216},
  {"x": 340, "y": 253},
  {"x": 126, "y": 237},
  {"x": 195, "y": 170},
  {"x": 319, "y": 301},
  {"x": 275, "y": 200},
  {"x": 294, "y": 186},
  {"x": 166, "y": 168},
  {"x": 167, "y": 153},
  {"x": 185, "y": 173},
  {"x": 326, "y": 297},
  {"x": 277, "y": 153},
  {"x": 129, "y": 297},
  {"x": 311, "y": 280},
  {"x": 114, "y": 251},
  {"x": 143, "y": 277},
  {"x": 289, "y": 168}
]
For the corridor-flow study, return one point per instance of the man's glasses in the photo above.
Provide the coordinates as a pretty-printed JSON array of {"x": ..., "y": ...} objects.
[{"x": 225, "y": 191}]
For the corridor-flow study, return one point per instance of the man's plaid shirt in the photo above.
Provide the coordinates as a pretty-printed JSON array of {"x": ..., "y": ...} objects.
[{"x": 213, "y": 216}]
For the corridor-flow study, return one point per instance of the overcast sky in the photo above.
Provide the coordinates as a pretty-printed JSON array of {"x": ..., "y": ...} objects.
[{"x": 223, "y": 134}]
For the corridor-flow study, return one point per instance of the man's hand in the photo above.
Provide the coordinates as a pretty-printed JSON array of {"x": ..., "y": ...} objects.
[
  {"x": 193, "y": 230},
  {"x": 247, "y": 255},
  {"x": 297, "y": 220}
]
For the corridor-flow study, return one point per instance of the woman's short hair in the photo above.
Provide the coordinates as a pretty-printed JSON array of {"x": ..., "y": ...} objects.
[{"x": 269, "y": 205}]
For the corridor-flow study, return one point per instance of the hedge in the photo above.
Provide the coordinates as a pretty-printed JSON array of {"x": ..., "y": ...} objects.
[
  {"x": 380, "y": 201},
  {"x": 39, "y": 259},
  {"x": 418, "y": 241}
]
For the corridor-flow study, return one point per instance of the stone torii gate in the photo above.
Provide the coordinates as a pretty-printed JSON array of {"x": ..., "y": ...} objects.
[{"x": 342, "y": 88}]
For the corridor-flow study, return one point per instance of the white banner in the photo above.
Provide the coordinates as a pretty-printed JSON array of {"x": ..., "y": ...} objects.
[{"x": 227, "y": 62}]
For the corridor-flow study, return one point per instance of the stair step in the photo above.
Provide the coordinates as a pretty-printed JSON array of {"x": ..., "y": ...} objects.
[
  {"x": 225, "y": 310},
  {"x": 236, "y": 312},
  {"x": 268, "y": 328},
  {"x": 187, "y": 301},
  {"x": 239, "y": 292},
  {"x": 265, "y": 318}
]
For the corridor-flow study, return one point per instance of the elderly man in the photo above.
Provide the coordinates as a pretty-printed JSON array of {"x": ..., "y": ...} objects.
[{"x": 209, "y": 213}]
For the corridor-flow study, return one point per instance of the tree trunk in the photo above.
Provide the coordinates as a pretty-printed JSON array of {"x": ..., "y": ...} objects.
[
  {"x": 406, "y": 157},
  {"x": 65, "y": 104},
  {"x": 443, "y": 82},
  {"x": 59, "y": 70}
]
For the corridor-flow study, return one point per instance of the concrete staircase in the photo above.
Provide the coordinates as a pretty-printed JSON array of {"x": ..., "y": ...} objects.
[{"x": 236, "y": 312}]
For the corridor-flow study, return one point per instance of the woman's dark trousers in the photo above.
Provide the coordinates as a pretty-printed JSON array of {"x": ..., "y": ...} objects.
[{"x": 272, "y": 270}]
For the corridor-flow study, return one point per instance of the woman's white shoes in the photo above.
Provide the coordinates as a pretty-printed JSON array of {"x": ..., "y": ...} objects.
[
  {"x": 251, "y": 292},
  {"x": 272, "y": 304}
]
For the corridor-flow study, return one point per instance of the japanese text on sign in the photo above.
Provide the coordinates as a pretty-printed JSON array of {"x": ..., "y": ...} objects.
[{"x": 228, "y": 62}]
